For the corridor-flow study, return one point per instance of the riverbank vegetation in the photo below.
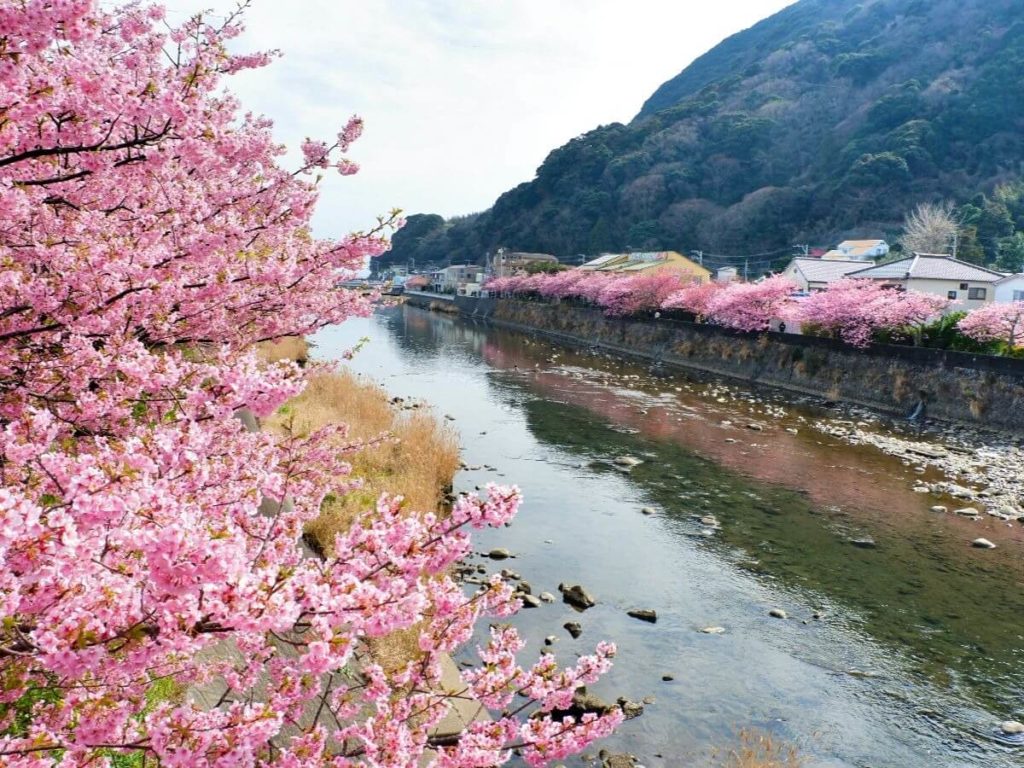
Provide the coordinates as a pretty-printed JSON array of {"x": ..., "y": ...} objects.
[
  {"x": 758, "y": 749},
  {"x": 857, "y": 312},
  {"x": 407, "y": 451}
]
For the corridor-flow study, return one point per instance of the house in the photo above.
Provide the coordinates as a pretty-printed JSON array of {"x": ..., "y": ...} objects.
[
  {"x": 1010, "y": 288},
  {"x": 725, "y": 274},
  {"x": 970, "y": 285},
  {"x": 605, "y": 262},
  {"x": 648, "y": 262},
  {"x": 447, "y": 280},
  {"x": 858, "y": 250},
  {"x": 418, "y": 283},
  {"x": 816, "y": 274},
  {"x": 508, "y": 263}
]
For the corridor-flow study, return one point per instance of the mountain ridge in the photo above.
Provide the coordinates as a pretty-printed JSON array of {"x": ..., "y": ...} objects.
[{"x": 828, "y": 119}]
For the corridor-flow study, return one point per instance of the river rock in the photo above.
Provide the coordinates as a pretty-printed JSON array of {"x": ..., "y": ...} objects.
[
  {"x": 529, "y": 601},
  {"x": 630, "y": 709},
  {"x": 620, "y": 760},
  {"x": 928, "y": 451},
  {"x": 983, "y": 544},
  {"x": 778, "y": 613},
  {"x": 968, "y": 512},
  {"x": 546, "y": 597},
  {"x": 574, "y": 628},
  {"x": 938, "y": 508},
  {"x": 755, "y": 427},
  {"x": 667, "y": 678},
  {"x": 647, "y": 511},
  {"x": 576, "y": 596},
  {"x": 507, "y": 574},
  {"x": 864, "y": 542},
  {"x": 710, "y": 520},
  {"x": 499, "y": 553},
  {"x": 525, "y": 588},
  {"x": 583, "y": 703},
  {"x": 627, "y": 461},
  {"x": 1011, "y": 727},
  {"x": 712, "y": 630},
  {"x": 644, "y": 614},
  {"x": 550, "y": 640}
]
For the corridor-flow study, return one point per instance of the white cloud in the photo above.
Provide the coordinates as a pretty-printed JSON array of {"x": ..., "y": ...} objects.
[{"x": 462, "y": 99}]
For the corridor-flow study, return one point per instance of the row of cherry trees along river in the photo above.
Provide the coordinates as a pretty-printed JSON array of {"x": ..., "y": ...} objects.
[
  {"x": 856, "y": 311},
  {"x": 151, "y": 237}
]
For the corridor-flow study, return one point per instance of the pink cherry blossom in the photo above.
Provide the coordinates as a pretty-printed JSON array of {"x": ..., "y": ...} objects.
[
  {"x": 752, "y": 306},
  {"x": 996, "y": 322},
  {"x": 854, "y": 310},
  {"x": 151, "y": 237}
]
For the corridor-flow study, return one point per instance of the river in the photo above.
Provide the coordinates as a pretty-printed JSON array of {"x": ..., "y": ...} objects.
[{"x": 903, "y": 646}]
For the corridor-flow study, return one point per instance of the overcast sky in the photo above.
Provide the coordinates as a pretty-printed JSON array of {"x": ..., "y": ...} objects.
[{"x": 462, "y": 99}]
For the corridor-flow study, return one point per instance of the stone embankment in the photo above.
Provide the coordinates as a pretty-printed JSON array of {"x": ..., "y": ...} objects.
[{"x": 980, "y": 390}]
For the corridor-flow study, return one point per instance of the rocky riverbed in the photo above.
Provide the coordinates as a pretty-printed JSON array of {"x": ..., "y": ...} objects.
[{"x": 782, "y": 572}]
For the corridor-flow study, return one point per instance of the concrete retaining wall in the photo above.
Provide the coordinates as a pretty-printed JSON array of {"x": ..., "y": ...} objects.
[{"x": 976, "y": 389}]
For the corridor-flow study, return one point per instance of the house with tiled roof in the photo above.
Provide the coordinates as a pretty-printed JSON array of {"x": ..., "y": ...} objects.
[
  {"x": 858, "y": 250},
  {"x": 970, "y": 285},
  {"x": 816, "y": 274}
]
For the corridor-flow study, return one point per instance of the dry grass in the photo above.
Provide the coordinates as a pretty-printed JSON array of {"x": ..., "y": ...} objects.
[
  {"x": 293, "y": 348},
  {"x": 757, "y": 749},
  {"x": 417, "y": 462}
]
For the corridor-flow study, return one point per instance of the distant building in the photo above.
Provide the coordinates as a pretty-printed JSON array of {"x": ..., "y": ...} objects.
[
  {"x": 858, "y": 250},
  {"x": 508, "y": 263},
  {"x": 447, "y": 280},
  {"x": 1010, "y": 288},
  {"x": 816, "y": 274},
  {"x": 970, "y": 285},
  {"x": 648, "y": 262},
  {"x": 605, "y": 262},
  {"x": 725, "y": 274},
  {"x": 418, "y": 283}
]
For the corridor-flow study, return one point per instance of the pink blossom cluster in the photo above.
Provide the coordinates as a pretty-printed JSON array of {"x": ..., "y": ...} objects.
[
  {"x": 854, "y": 310},
  {"x": 851, "y": 310},
  {"x": 149, "y": 238},
  {"x": 616, "y": 294},
  {"x": 996, "y": 322}
]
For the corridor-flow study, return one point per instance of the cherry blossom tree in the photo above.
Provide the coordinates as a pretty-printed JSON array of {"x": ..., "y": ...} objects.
[
  {"x": 150, "y": 237},
  {"x": 854, "y": 310},
  {"x": 752, "y": 306},
  {"x": 633, "y": 294},
  {"x": 694, "y": 298},
  {"x": 1002, "y": 322}
]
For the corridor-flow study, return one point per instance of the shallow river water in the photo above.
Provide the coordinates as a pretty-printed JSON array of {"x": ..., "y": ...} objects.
[{"x": 917, "y": 653}]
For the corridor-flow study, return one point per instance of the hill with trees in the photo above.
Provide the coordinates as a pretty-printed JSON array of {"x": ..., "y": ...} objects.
[{"x": 830, "y": 119}]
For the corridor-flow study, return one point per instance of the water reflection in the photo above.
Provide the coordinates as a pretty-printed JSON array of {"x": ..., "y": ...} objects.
[{"x": 918, "y": 654}]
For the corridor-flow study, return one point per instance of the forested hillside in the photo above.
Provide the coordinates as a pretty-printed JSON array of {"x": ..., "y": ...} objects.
[{"x": 830, "y": 119}]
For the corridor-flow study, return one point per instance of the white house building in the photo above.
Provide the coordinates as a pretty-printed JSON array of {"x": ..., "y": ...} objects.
[
  {"x": 970, "y": 285},
  {"x": 816, "y": 274},
  {"x": 1010, "y": 288},
  {"x": 858, "y": 250},
  {"x": 447, "y": 280}
]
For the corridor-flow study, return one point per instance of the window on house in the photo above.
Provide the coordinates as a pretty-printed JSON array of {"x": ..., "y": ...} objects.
[
  {"x": 951, "y": 295},
  {"x": 1018, "y": 295},
  {"x": 977, "y": 293},
  {"x": 963, "y": 286}
]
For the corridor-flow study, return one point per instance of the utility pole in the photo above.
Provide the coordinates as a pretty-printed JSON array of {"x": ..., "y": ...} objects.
[
  {"x": 804, "y": 248},
  {"x": 700, "y": 257},
  {"x": 956, "y": 241},
  {"x": 746, "y": 272}
]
